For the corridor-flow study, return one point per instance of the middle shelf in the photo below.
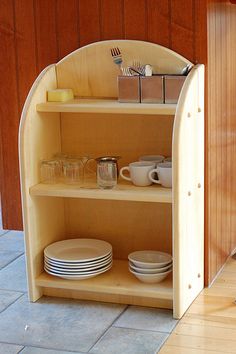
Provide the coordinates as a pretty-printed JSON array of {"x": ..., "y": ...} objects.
[{"x": 90, "y": 190}]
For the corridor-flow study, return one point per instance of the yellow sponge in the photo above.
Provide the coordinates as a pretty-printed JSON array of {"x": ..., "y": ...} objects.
[{"x": 60, "y": 95}]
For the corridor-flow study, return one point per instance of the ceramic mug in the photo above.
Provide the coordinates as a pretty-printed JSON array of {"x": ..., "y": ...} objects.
[
  {"x": 152, "y": 158},
  {"x": 138, "y": 172},
  {"x": 164, "y": 172}
]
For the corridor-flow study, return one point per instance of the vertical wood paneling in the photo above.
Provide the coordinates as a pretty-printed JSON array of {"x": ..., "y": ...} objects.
[
  {"x": 135, "y": 19},
  {"x": 111, "y": 19},
  {"x": 67, "y": 22},
  {"x": 25, "y": 48},
  {"x": 46, "y": 32},
  {"x": 221, "y": 131},
  {"x": 9, "y": 116},
  {"x": 182, "y": 27},
  {"x": 158, "y": 14},
  {"x": 89, "y": 21}
]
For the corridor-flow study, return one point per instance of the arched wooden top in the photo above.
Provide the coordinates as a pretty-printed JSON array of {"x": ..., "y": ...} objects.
[{"x": 90, "y": 70}]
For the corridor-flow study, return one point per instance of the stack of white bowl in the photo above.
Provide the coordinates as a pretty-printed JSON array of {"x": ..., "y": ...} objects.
[{"x": 150, "y": 266}]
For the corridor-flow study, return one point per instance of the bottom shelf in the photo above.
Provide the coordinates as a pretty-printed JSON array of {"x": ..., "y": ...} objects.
[{"x": 116, "y": 285}]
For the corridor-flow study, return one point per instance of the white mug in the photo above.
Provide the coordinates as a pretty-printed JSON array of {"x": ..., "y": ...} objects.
[
  {"x": 164, "y": 171},
  {"x": 138, "y": 172},
  {"x": 152, "y": 158}
]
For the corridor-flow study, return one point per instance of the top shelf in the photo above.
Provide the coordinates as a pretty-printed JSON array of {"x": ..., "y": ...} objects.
[{"x": 89, "y": 105}]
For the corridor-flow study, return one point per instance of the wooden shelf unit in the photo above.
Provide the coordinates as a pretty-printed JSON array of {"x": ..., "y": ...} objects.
[{"x": 129, "y": 217}]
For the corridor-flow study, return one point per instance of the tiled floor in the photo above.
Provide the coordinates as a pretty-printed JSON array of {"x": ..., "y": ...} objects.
[{"x": 60, "y": 326}]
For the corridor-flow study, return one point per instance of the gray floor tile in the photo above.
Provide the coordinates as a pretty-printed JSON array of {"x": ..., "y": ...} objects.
[
  {"x": 13, "y": 276},
  {"x": 2, "y": 232},
  {"x": 147, "y": 318},
  {"x": 12, "y": 241},
  {"x": 129, "y": 341},
  {"x": 7, "y": 298},
  {"x": 9, "y": 348},
  {"x": 34, "y": 350},
  {"x": 57, "y": 323},
  {"x": 7, "y": 257}
]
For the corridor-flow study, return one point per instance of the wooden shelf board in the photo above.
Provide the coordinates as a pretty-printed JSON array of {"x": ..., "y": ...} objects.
[
  {"x": 118, "y": 281},
  {"x": 90, "y": 190},
  {"x": 90, "y": 105}
]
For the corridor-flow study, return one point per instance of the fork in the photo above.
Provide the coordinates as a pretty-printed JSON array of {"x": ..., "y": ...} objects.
[{"x": 117, "y": 57}]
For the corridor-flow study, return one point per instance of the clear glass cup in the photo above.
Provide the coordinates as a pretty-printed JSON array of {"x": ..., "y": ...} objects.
[
  {"x": 50, "y": 171},
  {"x": 73, "y": 170},
  {"x": 106, "y": 174}
]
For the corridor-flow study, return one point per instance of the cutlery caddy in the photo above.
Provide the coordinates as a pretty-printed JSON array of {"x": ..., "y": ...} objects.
[
  {"x": 130, "y": 218},
  {"x": 150, "y": 89}
]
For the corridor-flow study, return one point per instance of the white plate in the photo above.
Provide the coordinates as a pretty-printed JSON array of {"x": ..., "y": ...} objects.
[
  {"x": 151, "y": 278},
  {"x": 150, "y": 270},
  {"x": 77, "y": 268},
  {"x": 150, "y": 259},
  {"x": 79, "y": 277},
  {"x": 76, "y": 250},
  {"x": 77, "y": 272},
  {"x": 77, "y": 264}
]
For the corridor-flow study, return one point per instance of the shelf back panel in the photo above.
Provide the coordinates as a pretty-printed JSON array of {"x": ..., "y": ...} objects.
[
  {"x": 128, "y": 136},
  {"x": 128, "y": 226},
  {"x": 90, "y": 70}
]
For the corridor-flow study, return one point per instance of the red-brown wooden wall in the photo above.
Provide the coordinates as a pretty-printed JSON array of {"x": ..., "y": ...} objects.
[{"x": 35, "y": 33}]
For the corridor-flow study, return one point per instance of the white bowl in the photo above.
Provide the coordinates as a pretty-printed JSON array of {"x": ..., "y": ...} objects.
[
  {"x": 150, "y": 259},
  {"x": 150, "y": 270},
  {"x": 151, "y": 278}
]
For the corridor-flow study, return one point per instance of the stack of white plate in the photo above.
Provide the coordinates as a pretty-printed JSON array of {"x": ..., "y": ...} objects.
[
  {"x": 79, "y": 258},
  {"x": 150, "y": 266}
]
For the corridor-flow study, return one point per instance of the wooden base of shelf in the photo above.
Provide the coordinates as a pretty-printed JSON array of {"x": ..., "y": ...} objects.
[
  {"x": 116, "y": 285},
  {"x": 122, "y": 191}
]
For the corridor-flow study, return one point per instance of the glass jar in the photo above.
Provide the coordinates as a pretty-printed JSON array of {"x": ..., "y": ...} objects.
[{"x": 107, "y": 172}]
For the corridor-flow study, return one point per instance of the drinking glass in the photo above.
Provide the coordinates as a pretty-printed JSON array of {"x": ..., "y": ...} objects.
[
  {"x": 73, "y": 171},
  {"x": 50, "y": 171}
]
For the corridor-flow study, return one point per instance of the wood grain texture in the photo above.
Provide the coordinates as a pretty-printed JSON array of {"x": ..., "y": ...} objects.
[
  {"x": 135, "y": 19},
  {"x": 9, "y": 115},
  {"x": 209, "y": 325},
  {"x": 89, "y": 22},
  {"x": 220, "y": 136},
  {"x": 67, "y": 26}
]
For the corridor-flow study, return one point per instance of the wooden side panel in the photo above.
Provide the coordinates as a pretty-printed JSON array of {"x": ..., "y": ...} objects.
[
  {"x": 158, "y": 14},
  {"x": 39, "y": 139},
  {"x": 221, "y": 227},
  {"x": 188, "y": 189}
]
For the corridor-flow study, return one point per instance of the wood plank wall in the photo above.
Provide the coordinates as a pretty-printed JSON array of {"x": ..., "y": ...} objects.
[
  {"x": 220, "y": 135},
  {"x": 36, "y": 33}
]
